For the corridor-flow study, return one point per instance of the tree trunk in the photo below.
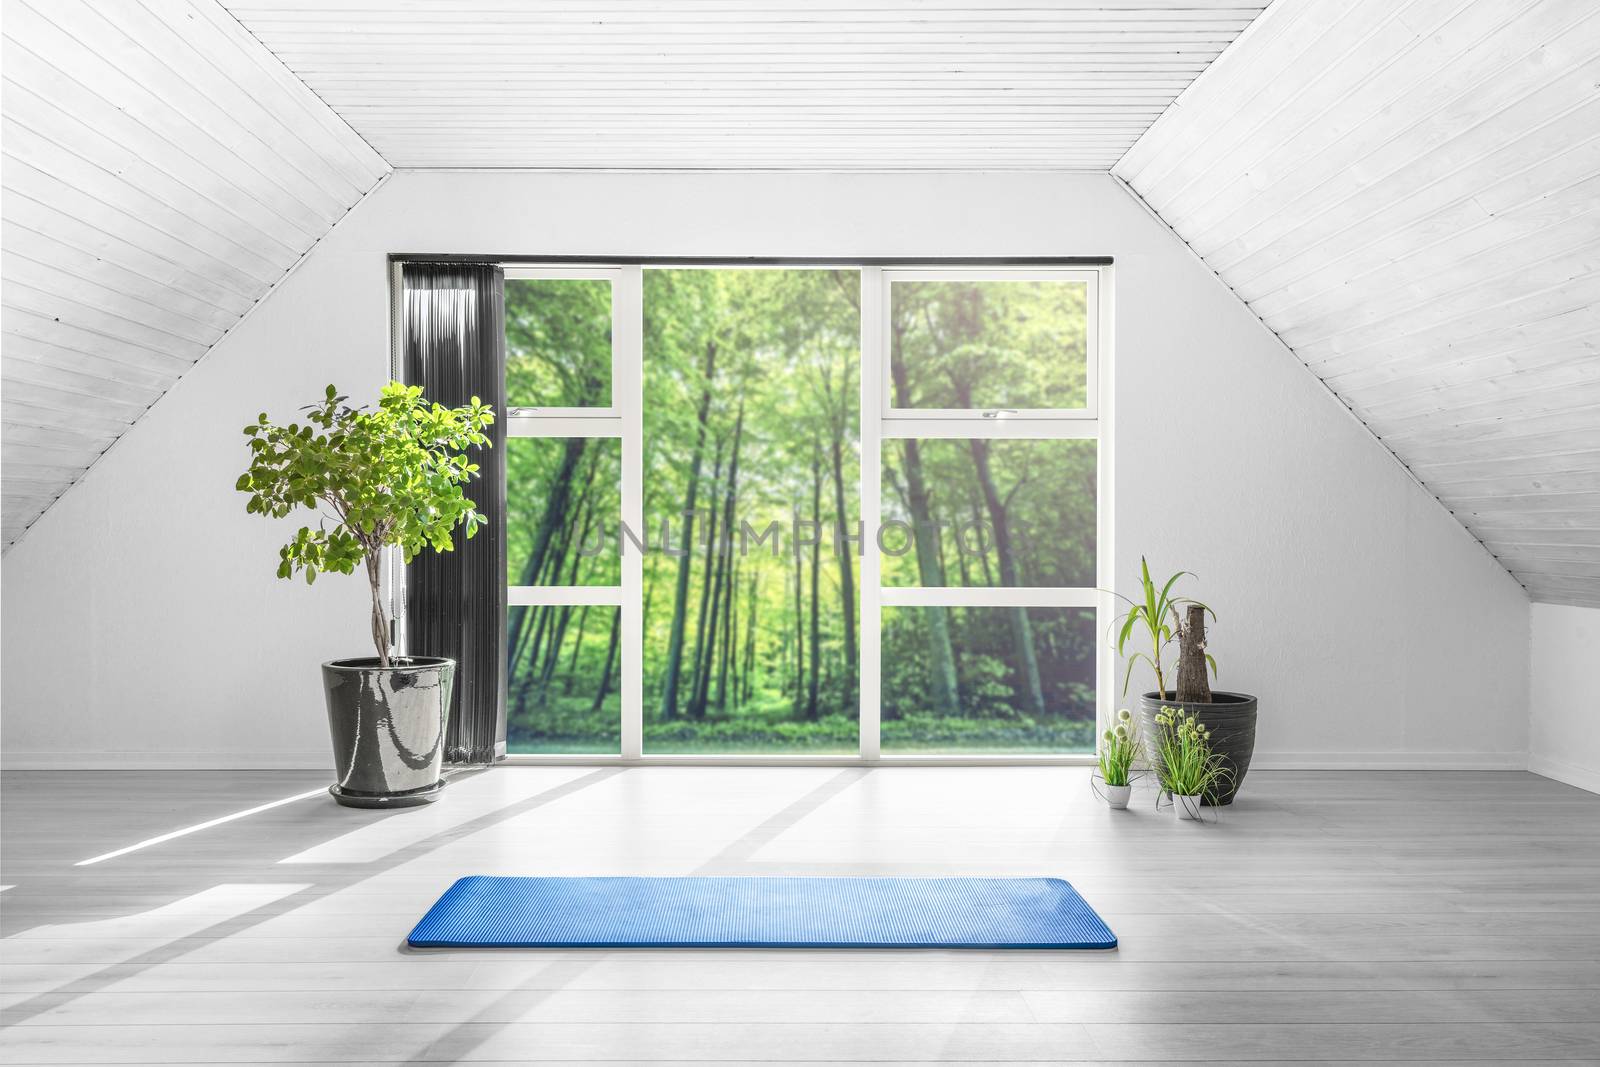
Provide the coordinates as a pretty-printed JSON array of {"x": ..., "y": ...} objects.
[
  {"x": 577, "y": 646},
  {"x": 748, "y": 669},
  {"x": 549, "y": 523},
  {"x": 799, "y": 631},
  {"x": 816, "y": 570},
  {"x": 1021, "y": 628},
  {"x": 942, "y": 686},
  {"x": 1193, "y": 684},
  {"x": 729, "y": 621},
  {"x": 721, "y": 599},
  {"x": 611, "y": 663},
  {"x": 983, "y": 556},
  {"x": 669, "y": 688},
  {"x": 380, "y": 618},
  {"x": 708, "y": 593},
  {"x": 847, "y": 577}
]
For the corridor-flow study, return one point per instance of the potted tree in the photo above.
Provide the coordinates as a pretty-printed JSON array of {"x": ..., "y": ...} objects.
[
  {"x": 1157, "y": 619},
  {"x": 385, "y": 477}
]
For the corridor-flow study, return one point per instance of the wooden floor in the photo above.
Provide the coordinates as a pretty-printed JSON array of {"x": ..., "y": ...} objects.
[{"x": 1399, "y": 917}]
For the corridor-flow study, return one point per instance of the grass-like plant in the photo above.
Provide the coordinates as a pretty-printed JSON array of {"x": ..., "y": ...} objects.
[
  {"x": 1186, "y": 764},
  {"x": 390, "y": 475},
  {"x": 1158, "y": 613},
  {"x": 1119, "y": 748}
]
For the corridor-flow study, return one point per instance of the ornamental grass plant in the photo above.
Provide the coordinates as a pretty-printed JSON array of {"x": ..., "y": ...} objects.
[{"x": 1186, "y": 764}]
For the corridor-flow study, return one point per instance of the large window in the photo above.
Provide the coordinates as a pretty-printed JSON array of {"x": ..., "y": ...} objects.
[
  {"x": 820, "y": 511},
  {"x": 566, "y": 487},
  {"x": 989, "y": 461},
  {"x": 751, "y": 444}
]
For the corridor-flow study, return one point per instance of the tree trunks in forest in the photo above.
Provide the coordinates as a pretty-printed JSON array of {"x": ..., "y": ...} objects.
[
  {"x": 611, "y": 663},
  {"x": 708, "y": 589},
  {"x": 799, "y": 630},
  {"x": 669, "y": 689},
  {"x": 942, "y": 686},
  {"x": 747, "y": 670},
  {"x": 847, "y": 577},
  {"x": 555, "y": 509},
  {"x": 1021, "y": 628},
  {"x": 716, "y": 596},
  {"x": 816, "y": 570}
]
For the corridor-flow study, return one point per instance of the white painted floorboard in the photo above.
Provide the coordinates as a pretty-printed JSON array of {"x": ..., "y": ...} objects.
[{"x": 1326, "y": 918}]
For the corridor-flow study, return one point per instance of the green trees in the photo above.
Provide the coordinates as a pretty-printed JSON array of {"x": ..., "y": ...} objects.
[
  {"x": 562, "y": 508},
  {"x": 393, "y": 475},
  {"x": 750, "y": 618},
  {"x": 750, "y": 419}
]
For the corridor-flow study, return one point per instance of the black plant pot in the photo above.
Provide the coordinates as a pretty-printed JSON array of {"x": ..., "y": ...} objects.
[
  {"x": 388, "y": 727},
  {"x": 1231, "y": 718}
]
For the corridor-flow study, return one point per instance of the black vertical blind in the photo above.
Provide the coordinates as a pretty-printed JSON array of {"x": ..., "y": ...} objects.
[{"x": 453, "y": 337}]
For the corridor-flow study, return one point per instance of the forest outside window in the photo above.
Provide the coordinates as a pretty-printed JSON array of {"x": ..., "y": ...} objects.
[
  {"x": 712, "y": 553},
  {"x": 991, "y": 458}
]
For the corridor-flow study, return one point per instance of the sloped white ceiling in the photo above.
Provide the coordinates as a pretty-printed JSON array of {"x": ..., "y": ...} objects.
[
  {"x": 161, "y": 171},
  {"x": 818, "y": 84},
  {"x": 1408, "y": 193}
]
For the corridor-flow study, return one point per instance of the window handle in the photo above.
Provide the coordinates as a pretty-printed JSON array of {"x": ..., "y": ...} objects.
[{"x": 999, "y": 412}]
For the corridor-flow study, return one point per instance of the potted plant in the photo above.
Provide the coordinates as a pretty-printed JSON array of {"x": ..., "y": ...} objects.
[
  {"x": 1190, "y": 772},
  {"x": 1119, "y": 748},
  {"x": 1157, "y": 619},
  {"x": 389, "y": 476}
]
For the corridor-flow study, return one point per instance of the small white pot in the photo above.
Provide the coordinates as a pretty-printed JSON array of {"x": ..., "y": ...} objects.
[
  {"x": 1188, "y": 808},
  {"x": 1117, "y": 796}
]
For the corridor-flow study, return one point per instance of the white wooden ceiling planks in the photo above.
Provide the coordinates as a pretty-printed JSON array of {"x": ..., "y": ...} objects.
[
  {"x": 1408, "y": 193},
  {"x": 813, "y": 84},
  {"x": 161, "y": 171}
]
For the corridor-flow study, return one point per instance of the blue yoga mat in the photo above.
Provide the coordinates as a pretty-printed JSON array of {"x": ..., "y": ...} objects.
[{"x": 483, "y": 912}]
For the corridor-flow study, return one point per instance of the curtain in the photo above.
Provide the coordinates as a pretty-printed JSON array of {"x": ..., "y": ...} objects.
[{"x": 453, "y": 345}]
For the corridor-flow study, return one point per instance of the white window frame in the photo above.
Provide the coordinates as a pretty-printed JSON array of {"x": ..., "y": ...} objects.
[
  {"x": 577, "y": 274},
  {"x": 624, "y": 420},
  {"x": 1089, "y": 277},
  {"x": 1091, "y": 422}
]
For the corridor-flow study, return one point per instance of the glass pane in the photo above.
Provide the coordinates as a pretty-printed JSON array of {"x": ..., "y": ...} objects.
[
  {"x": 565, "y": 667},
  {"x": 988, "y": 679},
  {"x": 988, "y": 344},
  {"x": 989, "y": 512},
  {"x": 558, "y": 343},
  {"x": 751, "y": 398},
  {"x": 562, "y": 509}
]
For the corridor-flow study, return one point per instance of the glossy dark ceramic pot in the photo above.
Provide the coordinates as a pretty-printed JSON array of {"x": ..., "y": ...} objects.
[
  {"x": 388, "y": 726},
  {"x": 1231, "y": 718}
]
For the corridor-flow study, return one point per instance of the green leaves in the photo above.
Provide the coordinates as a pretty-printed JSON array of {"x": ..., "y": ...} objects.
[
  {"x": 1152, "y": 613},
  {"x": 1185, "y": 762},
  {"x": 390, "y": 475}
]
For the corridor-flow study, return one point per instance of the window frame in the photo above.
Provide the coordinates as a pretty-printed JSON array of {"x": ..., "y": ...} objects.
[
  {"x": 1089, "y": 423},
  {"x": 1090, "y": 277},
  {"x": 624, "y": 420},
  {"x": 612, "y": 274}
]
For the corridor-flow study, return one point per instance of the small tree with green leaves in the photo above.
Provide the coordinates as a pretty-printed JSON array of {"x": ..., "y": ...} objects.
[{"x": 386, "y": 476}]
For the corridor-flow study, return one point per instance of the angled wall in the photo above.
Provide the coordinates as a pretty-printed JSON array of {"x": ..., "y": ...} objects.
[
  {"x": 1408, "y": 193},
  {"x": 162, "y": 172},
  {"x": 143, "y": 625}
]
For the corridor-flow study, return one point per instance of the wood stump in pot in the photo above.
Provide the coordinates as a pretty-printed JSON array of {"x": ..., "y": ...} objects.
[{"x": 1231, "y": 717}]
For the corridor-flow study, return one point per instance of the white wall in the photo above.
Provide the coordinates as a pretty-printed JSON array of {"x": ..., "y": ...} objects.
[
  {"x": 143, "y": 624},
  {"x": 1564, "y": 741}
]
